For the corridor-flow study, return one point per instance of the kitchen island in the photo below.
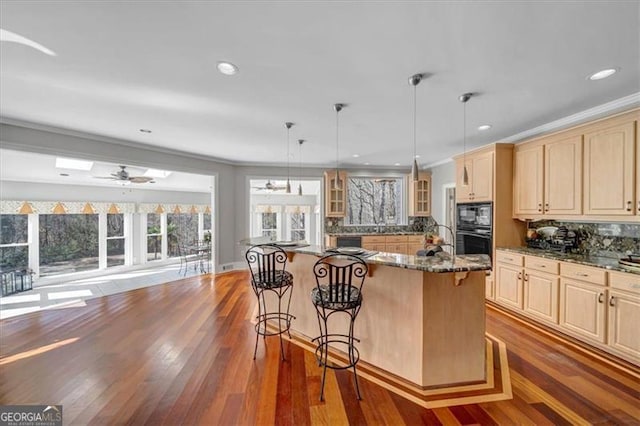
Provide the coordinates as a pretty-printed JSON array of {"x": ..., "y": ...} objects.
[{"x": 422, "y": 319}]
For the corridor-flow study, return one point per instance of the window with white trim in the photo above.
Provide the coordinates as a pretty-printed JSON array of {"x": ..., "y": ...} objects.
[
  {"x": 14, "y": 241},
  {"x": 154, "y": 236},
  {"x": 116, "y": 242}
]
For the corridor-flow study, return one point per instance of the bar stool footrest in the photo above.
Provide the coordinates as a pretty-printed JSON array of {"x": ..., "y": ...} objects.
[{"x": 339, "y": 339}]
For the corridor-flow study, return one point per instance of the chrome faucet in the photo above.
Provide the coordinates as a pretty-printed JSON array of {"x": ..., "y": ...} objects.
[{"x": 453, "y": 240}]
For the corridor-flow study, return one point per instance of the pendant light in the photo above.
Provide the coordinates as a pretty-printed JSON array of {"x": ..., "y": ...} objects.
[
  {"x": 465, "y": 174},
  {"x": 337, "y": 184},
  {"x": 414, "y": 80},
  {"x": 300, "y": 142},
  {"x": 288, "y": 125}
]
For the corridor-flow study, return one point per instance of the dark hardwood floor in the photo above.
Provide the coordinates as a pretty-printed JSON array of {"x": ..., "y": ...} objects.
[{"x": 181, "y": 353}]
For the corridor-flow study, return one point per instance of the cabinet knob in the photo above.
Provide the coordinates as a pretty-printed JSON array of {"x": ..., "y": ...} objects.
[
  {"x": 540, "y": 207},
  {"x": 638, "y": 206},
  {"x": 629, "y": 203},
  {"x": 600, "y": 297},
  {"x": 580, "y": 274},
  {"x": 526, "y": 277},
  {"x": 519, "y": 275},
  {"x": 611, "y": 301}
]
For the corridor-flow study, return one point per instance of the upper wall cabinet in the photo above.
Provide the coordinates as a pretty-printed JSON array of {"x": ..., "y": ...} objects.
[
  {"x": 420, "y": 195},
  {"x": 591, "y": 171},
  {"x": 480, "y": 173},
  {"x": 609, "y": 175},
  {"x": 548, "y": 177},
  {"x": 335, "y": 195}
]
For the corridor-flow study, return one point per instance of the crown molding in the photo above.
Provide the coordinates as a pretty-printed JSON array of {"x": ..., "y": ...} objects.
[{"x": 600, "y": 111}]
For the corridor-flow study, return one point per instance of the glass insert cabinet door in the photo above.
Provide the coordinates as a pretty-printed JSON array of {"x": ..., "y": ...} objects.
[{"x": 335, "y": 193}]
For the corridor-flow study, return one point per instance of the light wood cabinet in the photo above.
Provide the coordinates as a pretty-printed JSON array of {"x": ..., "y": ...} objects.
[
  {"x": 335, "y": 196},
  {"x": 548, "y": 177},
  {"x": 563, "y": 176},
  {"x": 400, "y": 244},
  {"x": 597, "y": 306},
  {"x": 609, "y": 176},
  {"x": 541, "y": 295},
  {"x": 489, "y": 292},
  {"x": 420, "y": 195},
  {"x": 528, "y": 188},
  {"x": 509, "y": 285},
  {"x": 582, "y": 309},
  {"x": 623, "y": 321},
  {"x": 480, "y": 174},
  {"x": 638, "y": 168}
]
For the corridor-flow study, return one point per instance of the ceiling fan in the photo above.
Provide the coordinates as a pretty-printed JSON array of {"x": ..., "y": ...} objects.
[
  {"x": 269, "y": 187},
  {"x": 123, "y": 175}
]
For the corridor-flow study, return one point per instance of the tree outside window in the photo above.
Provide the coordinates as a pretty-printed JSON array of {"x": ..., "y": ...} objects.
[
  {"x": 298, "y": 228},
  {"x": 374, "y": 201},
  {"x": 68, "y": 243},
  {"x": 14, "y": 239},
  {"x": 182, "y": 230},
  {"x": 154, "y": 236},
  {"x": 270, "y": 225},
  {"x": 115, "y": 240}
]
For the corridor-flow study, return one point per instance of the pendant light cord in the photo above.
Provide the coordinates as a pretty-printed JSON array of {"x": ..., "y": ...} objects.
[
  {"x": 288, "y": 154},
  {"x": 414, "y": 121}
]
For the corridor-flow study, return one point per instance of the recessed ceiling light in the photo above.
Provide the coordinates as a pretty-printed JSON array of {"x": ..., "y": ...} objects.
[
  {"x": 396, "y": 164},
  {"x": 73, "y": 164},
  {"x": 356, "y": 155},
  {"x": 366, "y": 164},
  {"x": 155, "y": 173},
  {"x": 417, "y": 155},
  {"x": 603, "y": 74},
  {"x": 484, "y": 127},
  {"x": 145, "y": 130},
  {"x": 227, "y": 68}
]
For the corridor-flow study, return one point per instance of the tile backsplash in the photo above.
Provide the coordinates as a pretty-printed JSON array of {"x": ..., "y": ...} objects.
[
  {"x": 601, "y": 239},
  {"x": 416, "y": 224}
]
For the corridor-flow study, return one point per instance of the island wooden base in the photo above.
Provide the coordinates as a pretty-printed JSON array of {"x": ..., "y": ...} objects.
[{"x": 425, "y": 328}]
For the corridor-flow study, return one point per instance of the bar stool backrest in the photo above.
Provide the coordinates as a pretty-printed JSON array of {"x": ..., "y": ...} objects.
[
  {"x": 342, "y": 274},
  {"x": 267, "y": 264}
]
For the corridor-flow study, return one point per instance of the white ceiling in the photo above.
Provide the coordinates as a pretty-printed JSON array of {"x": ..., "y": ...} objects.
[
  {"x": 29, "y": 167},
  {"x": 122, "y": 66}
]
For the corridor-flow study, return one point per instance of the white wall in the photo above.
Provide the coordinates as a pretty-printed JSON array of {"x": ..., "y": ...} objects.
[{"x": 440, "y": 176}]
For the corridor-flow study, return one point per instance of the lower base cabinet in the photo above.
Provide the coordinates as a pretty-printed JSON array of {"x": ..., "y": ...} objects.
[
  {"x": 582, "y": 309},
  {"x": 624, "y": 323},
  {"x": 541, "y": 295},
  {"x": 596, "y": 306}
]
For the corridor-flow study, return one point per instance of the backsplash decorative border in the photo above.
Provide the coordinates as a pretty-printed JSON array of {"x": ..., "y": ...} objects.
[{"x": 606, "y": 239}]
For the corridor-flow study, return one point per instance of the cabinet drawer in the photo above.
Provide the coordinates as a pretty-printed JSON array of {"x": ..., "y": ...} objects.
[
  {"x": 510, "y": 258},
  {"x": 624, "y": 281},
  {"x": 392, "y": 239},
  {"x": 415, "y": 239},
  {"x": 541, "y": 264},
  {"x": 583, "y": 273},
  {"x": 368, "y": 239},
  {"x": 396, "y": 248}
]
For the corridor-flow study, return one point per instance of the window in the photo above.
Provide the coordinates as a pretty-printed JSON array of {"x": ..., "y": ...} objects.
[
  {"x": 154, "y": 236},
  {"x": 206, "y": 222},
  {"x": 115, "y": 240},
  {"x": 269, "y": 225},
  {"x": 14, "y": 240},
  {"x": 298, "y": 228},
  {"x": 182, "y": 230},
  {"x": 68, "y": 243},
  {"x": 374, "y": 201}
]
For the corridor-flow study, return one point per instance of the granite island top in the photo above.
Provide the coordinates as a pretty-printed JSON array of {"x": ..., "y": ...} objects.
[
  {"x": 440, "y": 263},
  {"x": 373, "y": 234},
  {"x": 609, "y": 263}
]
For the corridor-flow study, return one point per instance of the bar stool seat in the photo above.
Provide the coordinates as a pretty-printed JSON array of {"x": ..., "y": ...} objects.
[
  {"x": 338, "y": 291},
  {"x": 270, "y": 280}
]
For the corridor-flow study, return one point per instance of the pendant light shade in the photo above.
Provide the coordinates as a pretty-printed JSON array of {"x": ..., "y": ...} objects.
[
  {"x": 300, "y": 142},
  {"x": 288, "y": 125},
  {"x": 337, "y": 183},
  {"x": 414, "y": 80},
  {"x": 465, "y": 174}
]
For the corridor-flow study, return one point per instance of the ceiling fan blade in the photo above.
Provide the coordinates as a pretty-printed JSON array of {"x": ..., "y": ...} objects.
[{"x": 140, "y": 179}]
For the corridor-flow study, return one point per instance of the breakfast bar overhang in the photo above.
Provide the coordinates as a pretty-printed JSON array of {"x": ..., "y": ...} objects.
[{"x": 422, "y": 318}]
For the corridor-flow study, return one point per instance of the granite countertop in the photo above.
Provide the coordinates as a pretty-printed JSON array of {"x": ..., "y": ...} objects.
[
  {"x": 440, "y": 263},
  {"x": 609, "y": 263}
]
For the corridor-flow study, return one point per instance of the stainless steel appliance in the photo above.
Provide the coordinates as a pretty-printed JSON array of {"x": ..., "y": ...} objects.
[{"x": 474, "y": 228}]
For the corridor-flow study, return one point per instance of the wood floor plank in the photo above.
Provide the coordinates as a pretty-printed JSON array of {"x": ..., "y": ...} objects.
[{"x": 182, "y": 353}]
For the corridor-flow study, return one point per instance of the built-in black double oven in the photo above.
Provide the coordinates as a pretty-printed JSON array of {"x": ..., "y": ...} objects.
[{"x": 474, "y": 228}]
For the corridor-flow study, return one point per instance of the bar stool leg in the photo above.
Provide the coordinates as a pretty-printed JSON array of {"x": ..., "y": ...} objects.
[{"x": 352, "y": 356}]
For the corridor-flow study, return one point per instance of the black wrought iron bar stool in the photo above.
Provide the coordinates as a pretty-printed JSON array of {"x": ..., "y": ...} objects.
[
  {"x": 267, "y": 264},
  {"x": 339, "y": 281}
]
